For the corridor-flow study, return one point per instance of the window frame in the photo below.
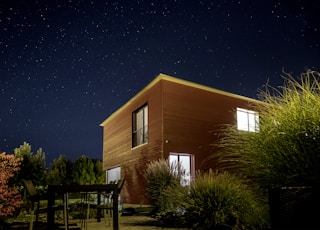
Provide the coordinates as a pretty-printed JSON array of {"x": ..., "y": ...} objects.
[
  {"x": 140, "y": 115},
  {"x": 186, "y": 180},
  {"x": 247, "y": 120},
  {"x": 113, "y": 174}
]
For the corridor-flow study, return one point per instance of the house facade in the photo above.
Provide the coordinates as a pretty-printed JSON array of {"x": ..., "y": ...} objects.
[{"x": 172, "y": 119}]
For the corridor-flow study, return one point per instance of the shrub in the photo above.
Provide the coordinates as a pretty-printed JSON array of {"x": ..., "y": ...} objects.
[
  {"x": 172, "y": 212},
  {"x": 285, "y": 151},
  {"x": 215, "y": 200},
  {"x": 211, "y": 201},
  {"x": 160, "y": 175},
  {"x": 10, "y": 197}
]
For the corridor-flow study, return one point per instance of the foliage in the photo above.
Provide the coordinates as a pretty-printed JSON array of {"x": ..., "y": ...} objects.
[
  {"x": 159, "y": 176},
  {"x": 286, "y": 150},
  {"x": 171, "y": 211},
  {"x": 10, "y": 197},
  {"x": 83, "y": 171},
  {"x": 98, "y": 170},
  {"x": 33, "y": 166},
  {"x": 60, "y": 171},
  {"x": 215, "y": 200}
]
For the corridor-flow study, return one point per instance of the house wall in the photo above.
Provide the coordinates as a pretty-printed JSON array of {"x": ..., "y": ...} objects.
[
  {"x": 117, "y": 143},
  {"x": 193, "y": 118}
]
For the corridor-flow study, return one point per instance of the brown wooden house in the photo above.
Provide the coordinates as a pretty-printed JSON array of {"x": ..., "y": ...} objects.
[{"x": 172, "y": 119}]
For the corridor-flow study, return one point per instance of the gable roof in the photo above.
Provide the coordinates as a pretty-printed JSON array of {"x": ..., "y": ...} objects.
[{"x": 165, "y": 77}]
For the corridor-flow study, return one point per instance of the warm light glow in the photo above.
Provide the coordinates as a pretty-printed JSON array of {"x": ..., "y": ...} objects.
[
  {"x": 185, "y": 161},
  {"x": 113, "y": 174},
  {"x": 247, "y": 120}
]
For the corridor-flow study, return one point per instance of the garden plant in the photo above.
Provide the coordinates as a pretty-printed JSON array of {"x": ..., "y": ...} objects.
[
  {"x": 286, "y": 149},
  {"x": 10, "y": 197},
  {"x": 211, "y": 201}
]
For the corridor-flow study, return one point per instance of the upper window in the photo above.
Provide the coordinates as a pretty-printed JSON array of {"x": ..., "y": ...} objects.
[
  {"x": 247, "y": 120},
  {"x": 140, "y": 126}
]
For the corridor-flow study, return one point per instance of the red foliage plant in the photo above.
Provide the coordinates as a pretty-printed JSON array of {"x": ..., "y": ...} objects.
[{"x": 10, "y": 197}]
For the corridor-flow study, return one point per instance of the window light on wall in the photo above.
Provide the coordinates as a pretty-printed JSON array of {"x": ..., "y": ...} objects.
[{"x": 247, "y": 120}]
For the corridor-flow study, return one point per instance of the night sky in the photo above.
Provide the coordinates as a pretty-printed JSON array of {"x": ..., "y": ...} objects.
[{"x": 66, "y": 65}]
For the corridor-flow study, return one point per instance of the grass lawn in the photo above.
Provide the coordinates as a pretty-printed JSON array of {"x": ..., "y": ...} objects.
[{"x": 139, "y": 220}]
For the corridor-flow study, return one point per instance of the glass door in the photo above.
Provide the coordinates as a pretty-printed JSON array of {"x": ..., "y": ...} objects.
[{"x": 185, "y": 160}]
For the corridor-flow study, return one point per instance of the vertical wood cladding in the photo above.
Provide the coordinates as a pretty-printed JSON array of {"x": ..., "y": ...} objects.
[
  {"x": 117, "y": 144},
  {"x": 193, "y": 118},
  {"x": 182, "y": 118}
]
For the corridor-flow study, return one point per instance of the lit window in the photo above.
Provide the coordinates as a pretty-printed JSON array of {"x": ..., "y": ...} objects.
[
  {"x": 140, "y": 126},
  {"x": 247, "y": 120},
  {"x": 184, "y": 160},
  {"x": 113, "y": 174}
]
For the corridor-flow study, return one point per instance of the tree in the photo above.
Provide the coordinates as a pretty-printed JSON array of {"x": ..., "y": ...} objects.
[
  {"x": 99, "y": 172},
  {"x": 83, "y": 171},
  {"x": 33, "y": 166},
  {"x": 60, "y": 171},
  {"x": 10, "y": 197},
  {"x": 286, "y": 150}
]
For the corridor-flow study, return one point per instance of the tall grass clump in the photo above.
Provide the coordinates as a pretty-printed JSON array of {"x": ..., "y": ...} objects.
[
  {"x": 160, "y": 176},
  {"x": 286, "y": 150},
  {"x": 222, "y": 201}
]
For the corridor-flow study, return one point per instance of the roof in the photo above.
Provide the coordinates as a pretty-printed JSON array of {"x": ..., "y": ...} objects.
[{"x": 164, "y": 77}]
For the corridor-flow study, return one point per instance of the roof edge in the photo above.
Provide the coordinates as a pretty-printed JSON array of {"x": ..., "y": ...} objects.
[
  {"x": 162, "y": 76},
  {"x": 148, "y": 86}
]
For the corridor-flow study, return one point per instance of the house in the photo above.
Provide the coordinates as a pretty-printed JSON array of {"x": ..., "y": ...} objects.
[{"x": 169, "y": 118}]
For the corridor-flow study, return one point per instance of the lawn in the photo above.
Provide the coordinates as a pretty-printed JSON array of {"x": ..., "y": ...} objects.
[{"x": 137, "y": 220}]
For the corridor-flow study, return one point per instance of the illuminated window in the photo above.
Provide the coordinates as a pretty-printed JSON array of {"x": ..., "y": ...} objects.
[
  {"x": 140, "y": 126},
  {"x": 247, "y": 120},
  {"x": 113, "y": 174},
  {"x": 185, "y": 160}
]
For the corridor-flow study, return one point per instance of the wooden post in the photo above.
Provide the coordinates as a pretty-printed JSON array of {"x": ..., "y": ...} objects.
[
  {"x": 99, "y": 210},
  {"x": 50, "y": 211},
  {"x": 115, "y": 209}
]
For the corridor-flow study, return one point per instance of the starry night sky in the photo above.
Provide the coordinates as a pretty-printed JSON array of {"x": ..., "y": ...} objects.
[{"x": 66, "y": 65}]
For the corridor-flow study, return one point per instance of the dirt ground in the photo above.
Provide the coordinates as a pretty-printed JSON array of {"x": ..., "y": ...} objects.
[{"x": 126, "y": 223}]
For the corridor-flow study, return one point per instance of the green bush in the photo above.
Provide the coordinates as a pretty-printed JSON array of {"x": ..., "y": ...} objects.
[
  {"x": 216, "y": 200},
  {"x": 160, "y": 175},
  {"x": 211, "y": 201},
  {"x": 285, "y": 151},
  {"x": 165, "y": 191}
]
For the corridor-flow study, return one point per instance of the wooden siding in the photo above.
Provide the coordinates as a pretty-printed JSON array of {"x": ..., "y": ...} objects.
[
  {"x": 193, "y": 118},
  {"x": 117, "y": 144}
]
